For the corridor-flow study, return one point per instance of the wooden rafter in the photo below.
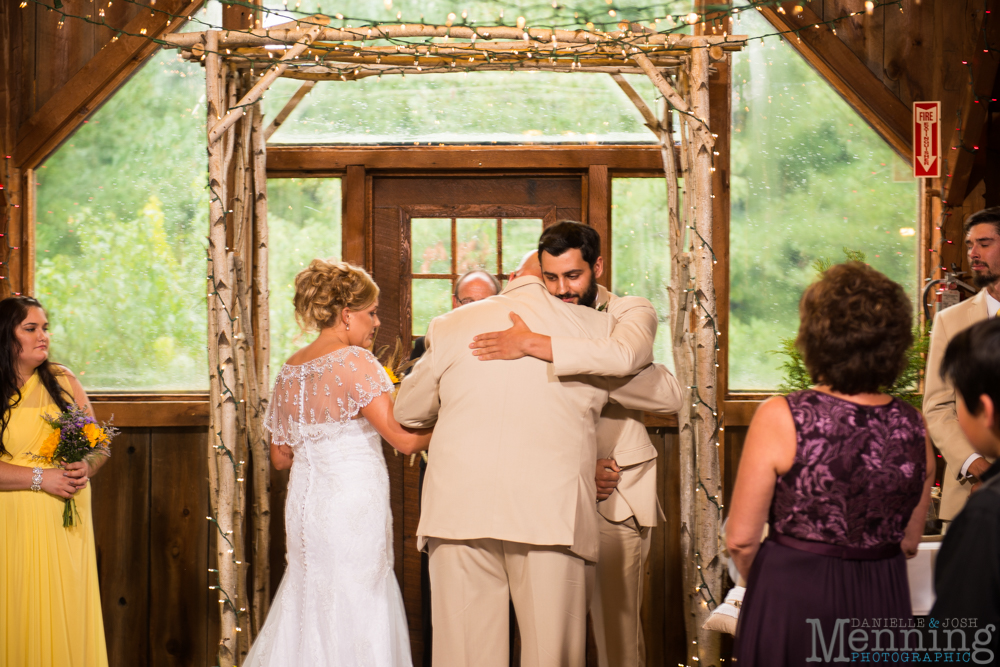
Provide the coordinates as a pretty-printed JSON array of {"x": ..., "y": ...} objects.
[
  {"x": 96, "y": 82},
  {"x": 289, "y": 107},
  {"x": 983, "y": 69},
  {"x": 640, "y": 104},
  {"x": 850, "y": 77}
]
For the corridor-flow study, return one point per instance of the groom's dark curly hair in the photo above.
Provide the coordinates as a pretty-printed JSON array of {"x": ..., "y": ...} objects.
[{"x": 567, "y": 235}]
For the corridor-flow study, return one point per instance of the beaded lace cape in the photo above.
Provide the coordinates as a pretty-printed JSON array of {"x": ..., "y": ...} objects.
[{"x": 330, "y": 389}]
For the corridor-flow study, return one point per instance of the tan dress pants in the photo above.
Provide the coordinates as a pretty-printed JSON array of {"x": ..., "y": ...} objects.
[
  {"x": 472, "y": 584},
  {"x": 617, "y": 595}
]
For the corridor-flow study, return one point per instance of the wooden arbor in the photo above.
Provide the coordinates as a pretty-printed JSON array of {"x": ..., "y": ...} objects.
[{"x": 241, "y": 65}]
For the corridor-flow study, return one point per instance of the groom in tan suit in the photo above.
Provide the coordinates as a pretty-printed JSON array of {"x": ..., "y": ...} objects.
[
  {"x": 508, "y": 506},
  {"x": 963, "y": 465},
  {"x": 626, "y": 469}
]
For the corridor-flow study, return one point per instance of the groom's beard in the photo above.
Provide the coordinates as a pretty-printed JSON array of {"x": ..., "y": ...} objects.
[
  {"x": 588, "y": 298},
  {"x": 985, "y": 279}
]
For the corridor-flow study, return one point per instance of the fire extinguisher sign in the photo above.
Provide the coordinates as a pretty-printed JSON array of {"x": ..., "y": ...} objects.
[{"x": 927, "y": 139}]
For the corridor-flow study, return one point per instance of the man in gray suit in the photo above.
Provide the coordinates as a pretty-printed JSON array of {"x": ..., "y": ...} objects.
[{"x": 508, "y": 505}]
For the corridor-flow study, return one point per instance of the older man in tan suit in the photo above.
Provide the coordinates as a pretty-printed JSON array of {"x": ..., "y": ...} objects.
[
  {"x": 508, "y": 506},
  {"x": 963, "y": 465},
  {"x": 626, "y": 470}
]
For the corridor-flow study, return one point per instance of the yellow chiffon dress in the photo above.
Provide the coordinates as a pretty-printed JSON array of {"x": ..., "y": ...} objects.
[{"x": 50, "y": 603}]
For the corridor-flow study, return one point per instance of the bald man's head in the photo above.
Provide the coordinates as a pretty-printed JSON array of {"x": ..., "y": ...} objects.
[{"x": 529, "y": 266}]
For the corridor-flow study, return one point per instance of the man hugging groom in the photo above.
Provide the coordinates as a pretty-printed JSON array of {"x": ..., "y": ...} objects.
[{"x": 508, "y": 509}]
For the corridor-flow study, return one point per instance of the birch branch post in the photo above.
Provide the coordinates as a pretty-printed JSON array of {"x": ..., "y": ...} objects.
[
  {"x": 708, "y": 493},
  {"x": 221, "y": 353},
  {"x": 259, "y": 450}
]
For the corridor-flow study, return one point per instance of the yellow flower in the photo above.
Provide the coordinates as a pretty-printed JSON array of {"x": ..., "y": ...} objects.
[
  {"x": 48, "y": 449},
  {"x": 95, "y": 434},
  {"x": 392, "y": 376}
]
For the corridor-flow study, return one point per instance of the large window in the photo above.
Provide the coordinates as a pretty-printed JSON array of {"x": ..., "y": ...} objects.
[
  {"x": 640, "y": 250},
  {"x": 809, "y": 178},
  {"x": 122, "y": 215}
]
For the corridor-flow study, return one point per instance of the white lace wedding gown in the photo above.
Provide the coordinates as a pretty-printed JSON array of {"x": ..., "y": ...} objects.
[{"x": 339, "y": 603}]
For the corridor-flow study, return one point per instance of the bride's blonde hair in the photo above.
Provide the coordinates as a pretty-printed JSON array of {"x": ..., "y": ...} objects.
[{"x": 326, "y": 287}]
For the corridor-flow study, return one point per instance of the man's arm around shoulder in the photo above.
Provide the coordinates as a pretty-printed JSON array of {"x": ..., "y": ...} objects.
[
  {"x": 654, "y": 389},
  {"x": 418, "y": 401},
  {"x": 627, "y": 351}
]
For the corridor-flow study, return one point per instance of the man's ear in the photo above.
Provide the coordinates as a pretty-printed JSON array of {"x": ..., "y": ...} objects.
[
  {"x": 988, "y": 413},
  {"x": 598, "y": 267}
]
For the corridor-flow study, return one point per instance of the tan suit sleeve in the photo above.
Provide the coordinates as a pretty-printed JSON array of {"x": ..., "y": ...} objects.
[
  {"x": 939, "y": 403},
  {"x": 625, "y": 352},
  {"x": 419, "y": 400},
  {"x": 655, "y": 389}
]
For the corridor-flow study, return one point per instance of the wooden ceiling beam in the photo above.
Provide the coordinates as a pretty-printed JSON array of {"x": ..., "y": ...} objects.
[
  {"x": 290, "y": 161},
  {"x": 849, "y": 76},
  {"x": 96, "y": 82},
  {"x": 961, "y": 155}
]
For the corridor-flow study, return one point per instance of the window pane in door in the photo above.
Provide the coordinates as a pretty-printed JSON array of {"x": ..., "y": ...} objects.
[
  {"x": 431, "y": 243},
  {"x": 519, "y": 237},
  {"x": 304, "y": 223},
  {"x": 640, "y": 250},
  {"x": 431, "y": 297},
  {"x": 476, "y": 245}
]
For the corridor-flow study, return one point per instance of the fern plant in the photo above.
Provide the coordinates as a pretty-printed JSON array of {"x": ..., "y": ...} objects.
[{"x": 907, "y": 385}]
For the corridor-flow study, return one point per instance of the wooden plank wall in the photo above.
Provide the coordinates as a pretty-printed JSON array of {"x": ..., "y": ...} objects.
[{"x": 150, "y": 506}]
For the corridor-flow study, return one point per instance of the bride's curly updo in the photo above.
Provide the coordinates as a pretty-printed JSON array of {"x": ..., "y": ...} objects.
[{"x": 326, "y": 287}]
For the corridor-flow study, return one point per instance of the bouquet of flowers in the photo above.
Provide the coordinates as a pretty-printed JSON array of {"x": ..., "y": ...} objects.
[
  {"x": 396, "y": 365},
  {"x": 75, "y": 437}
]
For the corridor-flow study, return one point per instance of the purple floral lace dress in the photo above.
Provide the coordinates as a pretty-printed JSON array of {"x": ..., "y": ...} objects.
[{"x": 837, "y": 518}]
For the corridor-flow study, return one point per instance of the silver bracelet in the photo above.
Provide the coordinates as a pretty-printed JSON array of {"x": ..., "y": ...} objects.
[{"x": 36, "y": 479}]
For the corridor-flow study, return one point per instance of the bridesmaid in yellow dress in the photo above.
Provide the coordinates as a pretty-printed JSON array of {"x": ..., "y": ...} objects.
[{"x": 50, "y": 604}]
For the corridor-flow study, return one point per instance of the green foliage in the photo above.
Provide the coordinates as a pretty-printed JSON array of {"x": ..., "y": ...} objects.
[{"x": 126, "y": 311}]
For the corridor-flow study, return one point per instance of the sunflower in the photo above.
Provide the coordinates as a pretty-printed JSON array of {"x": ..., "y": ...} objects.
[{"x": 48, "y": 449}]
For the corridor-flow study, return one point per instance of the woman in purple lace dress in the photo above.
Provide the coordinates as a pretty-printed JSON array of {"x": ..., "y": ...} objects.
[{"x": 840, "y": 472}]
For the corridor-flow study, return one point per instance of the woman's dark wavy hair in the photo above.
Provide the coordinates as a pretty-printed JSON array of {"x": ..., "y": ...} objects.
[
  {"x": 855, "y": 328},
  {"x": 13, "y": 311}
]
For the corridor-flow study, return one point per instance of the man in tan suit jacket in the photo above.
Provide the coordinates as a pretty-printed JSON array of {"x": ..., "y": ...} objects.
[
  {"x": 629, "y": 510},
  {"x": 963, "y": 465},
  {"x": 632, "y": 509},
  {"x": 508, "y": 507}
]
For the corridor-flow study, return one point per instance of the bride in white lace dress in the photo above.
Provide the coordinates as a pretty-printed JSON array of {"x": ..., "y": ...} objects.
[{"x": 339, "y": 603}]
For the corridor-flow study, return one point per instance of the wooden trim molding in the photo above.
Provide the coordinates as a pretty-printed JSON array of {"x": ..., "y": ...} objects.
[{"x": 151, "y": 411}]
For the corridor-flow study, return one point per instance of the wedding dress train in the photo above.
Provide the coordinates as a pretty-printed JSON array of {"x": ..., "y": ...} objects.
[{"x": 339, "y": 603}]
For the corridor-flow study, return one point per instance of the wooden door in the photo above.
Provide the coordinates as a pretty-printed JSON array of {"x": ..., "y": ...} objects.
[{"x": 457, "y": 223}]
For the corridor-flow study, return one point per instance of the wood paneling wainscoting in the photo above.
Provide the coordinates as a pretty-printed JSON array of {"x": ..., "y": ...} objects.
[{"x": 150, "y": 505}]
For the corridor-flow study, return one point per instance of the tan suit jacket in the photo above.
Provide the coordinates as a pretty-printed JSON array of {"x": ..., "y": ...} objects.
[
  {"x": 513, "y": 451},
  {"x": 939, "y": 402},
  {"x": 621, "y": 433}
]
